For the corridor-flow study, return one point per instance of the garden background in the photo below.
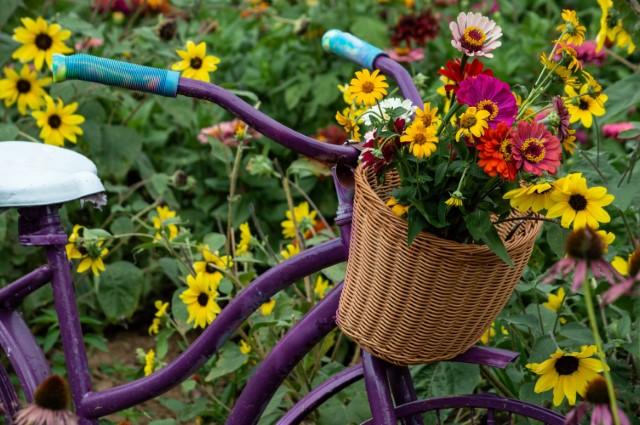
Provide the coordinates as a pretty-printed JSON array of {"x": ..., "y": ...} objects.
[{"x": 180, "y": 174}]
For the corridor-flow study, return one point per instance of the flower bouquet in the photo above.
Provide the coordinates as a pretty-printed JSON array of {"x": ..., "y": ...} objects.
[{"x": 448, "y": 194}]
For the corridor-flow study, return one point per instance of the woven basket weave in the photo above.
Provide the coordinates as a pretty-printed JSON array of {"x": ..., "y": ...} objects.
[{"x": 427, "y": 302}]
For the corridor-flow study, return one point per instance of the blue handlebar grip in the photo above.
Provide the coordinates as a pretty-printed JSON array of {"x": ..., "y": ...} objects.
[
  {"x": 115, "y": 73},
  {"x": 351, "y": 47}
]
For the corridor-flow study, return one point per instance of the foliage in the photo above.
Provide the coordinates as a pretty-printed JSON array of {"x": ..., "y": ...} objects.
[{"x": 190, "y": 191}]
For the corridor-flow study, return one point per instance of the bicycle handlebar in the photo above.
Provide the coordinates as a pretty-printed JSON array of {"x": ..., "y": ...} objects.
[
  {"x": 351, "y": 47},
  {"x": 115, "y": 73}
]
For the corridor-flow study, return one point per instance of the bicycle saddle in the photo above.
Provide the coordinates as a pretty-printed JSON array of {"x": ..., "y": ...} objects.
[{"x": 33, "y": 174}]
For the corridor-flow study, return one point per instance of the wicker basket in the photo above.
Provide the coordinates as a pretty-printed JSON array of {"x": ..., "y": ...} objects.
[{"x": 427, "y": 302}]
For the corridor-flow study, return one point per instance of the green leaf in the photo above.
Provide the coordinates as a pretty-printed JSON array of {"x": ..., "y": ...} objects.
[
  {"x": 229, "y": 361},
  {"x": 324, "y": 89},
  {"x": 121, "y": 225},
  {"x": 478, "y": 223},
  {"x": 454, "y": 378},
  {"x": 7, "y": 9},
  {"x": 335, "y": 273},
  {"x": 494, "y": 242},
  {"x": 370, "y": 30},
  {"x": 119, "y": 290},
  {"x": 527, "y": 320},
  {"x": 578, "y": 333},
  {"x": 542, "y": 349},
  {"x": 441, "y": 171},
  {"x": 8, "y": 132},
  {"x": 179, "y": 311},
  {"x": 117, "y": 150},
  {"x": 215, "y": 241},
  {"x": 622, "y": 94},
  {"x": 556, "y": 237}
]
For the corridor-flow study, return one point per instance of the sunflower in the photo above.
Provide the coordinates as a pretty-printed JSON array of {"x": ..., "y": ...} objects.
[
  {"x": 39, "y": 41},
  {"x": 200, "y": 299},
  {"x": 304, "y": 220},
  {"x": 164, "y": 213},
  {"x": 367, "y": 87},
  {"x": 473, "y": 123},
  {"x": 58, "y": 122},
  {"x": 423, "y": 139},
  {"x": 578, "y": 204},
  {"x": 583, "y": 106},
  {"x": 536, "y": 197},
  {"x": 572, "y": 31},
  {"x": 25, "y": 88},
  {"x": 567, "y": 373},
  {"x": 213, "y": 263},
  {"x": 195, "y": 63}
]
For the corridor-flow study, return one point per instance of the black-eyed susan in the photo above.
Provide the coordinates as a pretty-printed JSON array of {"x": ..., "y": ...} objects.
[
  {"x": 163, "y": 214},
  {"x": 349, "y": 123},
  {"x": 368, "y": 88},
  {"x": 396, "y": 208},
  {"x": 429, "y": 116},
  {"x": 200, "y": 299},
  {"x": 576, "y": 203},
  {"x": 567, "y": 373},
  {"x": 289, "y": 251},
  {"x": 74, "y": 246},
  {"x": 245, "y": 239},
  {"x": 195, "y": 63},
  {"x": 611, "y": 29},
  {"x": 583, "y": 106},
  {"x": 40, "y": 40},
  {"x": 212, "y": 263},
  {"x": 572, "y": 31},
  {"x": 555, "y": 301},
  {"x": 92, "y": 254},
  {"x": 423, "y": 139},
  {"x": 473, "y": 122},
  {"x": 24, "y": 88},
  {"x": 304, "y": 219},
  {"x": 58, "y": 122},
  {"x": 536, "y": 197}
]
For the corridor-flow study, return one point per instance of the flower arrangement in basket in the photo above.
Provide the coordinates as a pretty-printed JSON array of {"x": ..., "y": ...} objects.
[{"x": 448, "y": 195}]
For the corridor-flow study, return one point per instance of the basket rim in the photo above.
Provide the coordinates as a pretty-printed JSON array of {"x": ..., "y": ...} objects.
[{"x": 424, "y": 236}]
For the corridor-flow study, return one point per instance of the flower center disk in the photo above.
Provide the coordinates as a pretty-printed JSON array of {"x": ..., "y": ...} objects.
[
  {"x": 566, "y": 365},
  {"x": 468, "y": 121},
  {"x": 473, "y": 38},
  {"x": 490, "y": 107},
  {"x": 23, "y": 86},
  {"x": 196, "y": 63},
  {"x": 54, "y": 121},
  {"x": 578, "y": 202},
  {"x": 533, "y": 150},
  {"x": 203, "y": 299},
  {"x": 43, "y": 41},
  {"x": 367, "y": 87}
]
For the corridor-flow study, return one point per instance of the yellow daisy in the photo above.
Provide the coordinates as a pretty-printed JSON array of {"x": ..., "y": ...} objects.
[
  {"x": 456, "y": 199},
  {"x": 554, "y": 301},
  {"x": 572, "y": 31},
  {"x": 428, "y": 116},
  {"x": 575, "y": 203},
  {"x": 92, "y": 258},
  {"x": 396, "y": 208},
  {"x": 423, "y": 139},
  {"x": 200, "y": 299},
  {"x": 74, "y": 246},
  {"x": 473, "y": 123},
  {"x": 161, "y": 308},
  {"x": 154, "y": 328},
  {"x": 164, "y": 213},
  {"x": 567, "y": 373},
  {"x": 26, "y": 89},
  {"x": 304, "y": 219},
  {"x": 150, "y": 361},
  {"x": 536, "y": 197},
  {"x": 58, "y": 122},
  {"x": 244, "y": 347},
  {"x": 267, "y": 307},
  {"x": 195, "y": 63},
  {"x": 245, "y": 239},
  {"x": 367, "y": 87},
  {"x": 289, "y": 251},
  {"x": 583, "y": 106},
  {"x": 321, "y": 287},
  {"x": 349, "y": 124},
  {"x": 610, "y": 32},
  {"x": 212, "y": 263},
  {"x": 39, "y": 41}
]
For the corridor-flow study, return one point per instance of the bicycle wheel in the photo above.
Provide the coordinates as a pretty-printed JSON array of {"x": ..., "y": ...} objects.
[{"x": 474, "y": 409}]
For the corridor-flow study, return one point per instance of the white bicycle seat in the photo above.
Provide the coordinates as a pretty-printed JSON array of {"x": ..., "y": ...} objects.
[{"x": 34, "y": 174}]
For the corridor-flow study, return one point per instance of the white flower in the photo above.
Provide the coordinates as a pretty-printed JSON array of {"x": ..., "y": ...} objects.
[
  {"x": 386, "y": 106},
  {"x": 475, "y": 34}
]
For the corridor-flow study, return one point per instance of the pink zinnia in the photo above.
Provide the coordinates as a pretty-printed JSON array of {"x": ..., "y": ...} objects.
[
  {"x": 475, "y": 35},
  {"x": 613, "y": 130},
  {"x": 492, "y": 95},
  {"x": 406, "y": 54},
  {"x": 535, "y": 149}
]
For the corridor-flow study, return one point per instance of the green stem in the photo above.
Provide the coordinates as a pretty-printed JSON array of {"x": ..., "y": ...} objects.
[{"x": 600, "y": 351}]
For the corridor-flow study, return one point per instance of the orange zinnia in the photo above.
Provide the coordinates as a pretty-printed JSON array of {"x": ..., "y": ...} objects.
[{"x": 494, "y": 152}]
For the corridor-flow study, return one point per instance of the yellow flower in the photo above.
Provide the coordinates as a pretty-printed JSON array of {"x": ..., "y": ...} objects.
[
  {"x": 304, "y": 219},
  {"x": 349, "y": 124},
  {"x": 164, "y": 213},
  {"x": 367, "y": 87},
  {"x": 456, "y": 199},
  {"x": 396, "y": 208},
  {"x": 267, "y": 308},
  {"x": 39, "y": 41},
  {"x": 25, "y": 88},
  {"x": 320, "y": 287},
  {"x": 473, "y": 123},
  {"x": 74, "y": 245},
  {"x": 244, "y": 347},
  {"x": 428, "y": 116},
  {"x": 289, "y": 251},
  {"x": 161, "y": 307},
  {"x": 154, "y": 329},
  {"x": 58, "y": 122},
  {"x": 423, "y": 140},
  {"x": 195, "y": 63},
  {"x": 536, "y": 197},
  {"x": 572, "y": 31},
  {"x": 612, "y": 33},
  {"x": 92, "y": 259},
  {"x": 567, "y": 373},
  {"x": 213, "y": 263},
  {"x": 150, "y": 360},
  {"x": 200, "y": 299},
  {"x": 346, "y": 94},
  {"x": 554, "y": 301},
  {"x": 490, "y": 333},
  {"x": 583, "y": 106},
  {"x": 245, "y": 239},
  {"x": 578, "y": 204}
]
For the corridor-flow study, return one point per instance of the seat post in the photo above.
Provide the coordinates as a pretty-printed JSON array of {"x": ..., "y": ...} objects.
[{"x": 40, "y": 226}]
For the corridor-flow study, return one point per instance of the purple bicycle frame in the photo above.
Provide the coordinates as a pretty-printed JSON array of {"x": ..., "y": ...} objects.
[{"x": 40, "y": 226}]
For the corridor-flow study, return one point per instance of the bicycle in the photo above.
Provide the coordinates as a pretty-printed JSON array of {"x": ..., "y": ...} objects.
[{"x": 67, "y": 176}]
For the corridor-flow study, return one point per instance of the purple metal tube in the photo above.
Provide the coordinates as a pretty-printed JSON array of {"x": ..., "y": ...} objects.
[
  {"x": 12, "y": 294},
  {"x": 286, "y": 354},
  {"x": 403, "y": 78},
  {"x": 322, "y": 393},
  {"x": 402, "y": 390},
  {"x": 237, "y": 311},
  {"x": 8, "y": 399},
  {"x": 268, "y": 126},
  {"x": 375, "y": 381}
]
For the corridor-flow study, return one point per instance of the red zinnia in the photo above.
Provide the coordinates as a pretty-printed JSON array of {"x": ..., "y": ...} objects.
[
  {"x": 415, "y": 29},
  {"x": 383, "y": 155},
  {"x": 494, "y": 152},
  {"x": 535, "y": 149},
  {"x": 454, "y": 72}
]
